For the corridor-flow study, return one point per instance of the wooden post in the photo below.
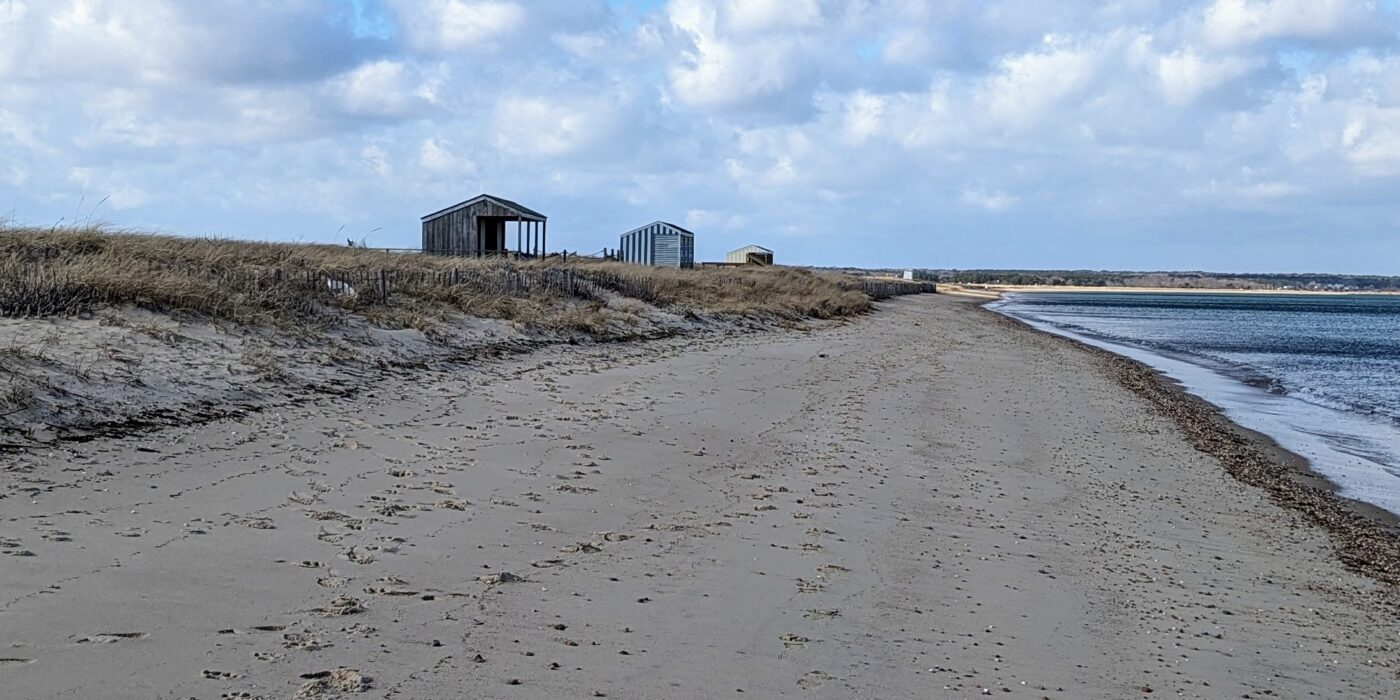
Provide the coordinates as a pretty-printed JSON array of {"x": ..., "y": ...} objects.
[
  {"x": 544, "y": 238},
  {"x": 382, "y": 288}
]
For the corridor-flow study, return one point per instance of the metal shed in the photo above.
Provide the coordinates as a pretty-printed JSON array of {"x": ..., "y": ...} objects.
[
  {"x": 659, "y": 243},
  {"x": 750, "y": 255},
  {"x": 479, "y": 227}
]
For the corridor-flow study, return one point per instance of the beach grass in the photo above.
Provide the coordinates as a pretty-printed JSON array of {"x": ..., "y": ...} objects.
[{"x": 69, "y": 271}]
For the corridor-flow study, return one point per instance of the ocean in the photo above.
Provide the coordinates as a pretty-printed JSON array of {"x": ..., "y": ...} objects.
[{"x": 1318, "y": 374}]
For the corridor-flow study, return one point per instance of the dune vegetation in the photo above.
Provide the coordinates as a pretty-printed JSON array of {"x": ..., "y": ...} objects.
[{"x": 45, "y": 272}]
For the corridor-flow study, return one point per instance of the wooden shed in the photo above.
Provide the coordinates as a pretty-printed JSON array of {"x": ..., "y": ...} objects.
[{"x": 481, "y": 227}]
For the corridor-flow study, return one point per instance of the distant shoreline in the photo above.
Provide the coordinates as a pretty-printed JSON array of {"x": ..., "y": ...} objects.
[{"x": 996, "y": 290}]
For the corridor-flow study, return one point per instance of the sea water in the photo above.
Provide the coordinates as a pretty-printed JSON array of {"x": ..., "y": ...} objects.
[{"x": 1320, "y": 374}]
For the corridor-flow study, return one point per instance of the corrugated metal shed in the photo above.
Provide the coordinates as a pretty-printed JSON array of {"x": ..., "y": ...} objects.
[
  {"x": 479, "y": 227},
  {"x": 750, "y": 255},
  {"x": 659, "y": 243}
]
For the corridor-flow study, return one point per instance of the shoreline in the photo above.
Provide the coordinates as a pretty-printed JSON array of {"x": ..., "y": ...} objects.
[{"x": 1367, "y": 536}]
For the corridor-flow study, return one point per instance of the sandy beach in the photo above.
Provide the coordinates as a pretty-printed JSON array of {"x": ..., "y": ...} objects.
[
  {"x": 999, "y": 289},
  {"x": 928, "y": 501}
]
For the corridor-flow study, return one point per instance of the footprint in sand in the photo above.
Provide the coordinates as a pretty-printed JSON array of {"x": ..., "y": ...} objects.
[
  {"x": 391, "y": 510},
  {"x": 217, "y": 675},
  {"x": 14, "y": 661},
  {"x": 326, "y": 683},
  {"x": 350, "y": 522},
  {"x": 813, "y": 680},
  {"x": 111, "y": 637},
  {"x": 332, "y": 581},
  {"x": 390, "y": 586},
  {"x": 340, "y": 607},
  {"x": 582, "y": 548},
  {"x": 357, "y": 555},
  {"x": 303, "y": 641},
  {"x": 257, "y": 523}
]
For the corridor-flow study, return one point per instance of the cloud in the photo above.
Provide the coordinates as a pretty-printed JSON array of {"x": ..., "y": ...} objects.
[
  {"x": 384, "y": 89},
  {"x": 1186, "y": 75},
  {"x": 459, "y": 25},
  {"x": 1232, "y": 23},
  {"x": 766, "y": 15},
  {"x": 860, "y": 126},
  {"x": 718, "y": 70},
  {"x": 549, "y": 126},
  {"x": 993, "y": 201},
  {"x": 1027, "y": 86},
  {"x": 157, "y": 42}
]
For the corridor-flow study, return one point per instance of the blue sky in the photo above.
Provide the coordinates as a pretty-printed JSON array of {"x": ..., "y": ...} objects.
[{"x": 1217, "y": 134}]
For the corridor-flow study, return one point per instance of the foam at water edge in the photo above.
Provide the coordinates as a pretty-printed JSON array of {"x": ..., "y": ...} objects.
[{"x": 1355, "y": 452}]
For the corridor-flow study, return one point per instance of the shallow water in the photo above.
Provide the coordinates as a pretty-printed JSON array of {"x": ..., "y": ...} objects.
[{"x": 1319, "y": 374}]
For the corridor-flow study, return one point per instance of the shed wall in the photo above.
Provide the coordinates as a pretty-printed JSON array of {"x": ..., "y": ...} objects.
[
  {"x": 658, "y": 244},
  {"x": 455, "y": 232},
  {"x": 742, "y": 255}
]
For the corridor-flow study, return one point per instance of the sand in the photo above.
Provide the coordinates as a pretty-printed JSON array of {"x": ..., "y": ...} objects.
[
  {"x": 999, "y": 289},
  {"x": 924, "y": 502}
]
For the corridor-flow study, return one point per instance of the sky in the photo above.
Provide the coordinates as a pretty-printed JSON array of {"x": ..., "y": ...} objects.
[{"x": 1224, "y": 135}]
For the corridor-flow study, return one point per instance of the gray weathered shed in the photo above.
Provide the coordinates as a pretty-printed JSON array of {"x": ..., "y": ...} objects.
[
  {"x": 479, "y": 227},
  {"x": 659, "y": 243}
]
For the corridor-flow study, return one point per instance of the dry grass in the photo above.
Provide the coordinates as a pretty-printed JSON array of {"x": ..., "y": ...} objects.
[
  {"x": 72, "y": 271},
  {"x": 754, "y": 291}
]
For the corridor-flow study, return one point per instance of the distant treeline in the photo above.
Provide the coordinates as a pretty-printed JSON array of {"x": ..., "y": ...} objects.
[{"x": 1170, "y": 280}]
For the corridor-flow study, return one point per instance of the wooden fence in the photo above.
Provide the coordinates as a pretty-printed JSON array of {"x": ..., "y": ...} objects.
[{"x": 884, "y": 289}]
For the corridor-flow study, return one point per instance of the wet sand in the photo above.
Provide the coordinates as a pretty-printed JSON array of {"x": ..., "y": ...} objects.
[{"x": 924, "y": 502}]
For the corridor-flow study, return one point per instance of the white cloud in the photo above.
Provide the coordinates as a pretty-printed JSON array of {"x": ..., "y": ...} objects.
[
  {"x": 1186, "y": 75},
  {"x": 459, "y": 25},
  {"x": 719, "y": 71},
  {"x": 439, "y": 157},
  {"x": 1238, "y": 22},
  {"x": 1028, "y": 86},
  {"x": 549, "y": 126},
  {"x": 768, "y": 15},
  {"x": 994, "y": 201},
  {"x": 864, "y": 116},
  {"x": 383, "y": 88},
  {"x": 908, "y": 47}
]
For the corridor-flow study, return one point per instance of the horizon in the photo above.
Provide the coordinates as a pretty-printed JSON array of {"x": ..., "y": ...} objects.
[{"x": 887, "y": 134}]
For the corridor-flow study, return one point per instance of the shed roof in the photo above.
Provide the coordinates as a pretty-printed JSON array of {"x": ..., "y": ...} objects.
[
  {"x": 525, "y": 212},
  {"x": 750, "y": 249},
  {"x": 663, "y": 223}
]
